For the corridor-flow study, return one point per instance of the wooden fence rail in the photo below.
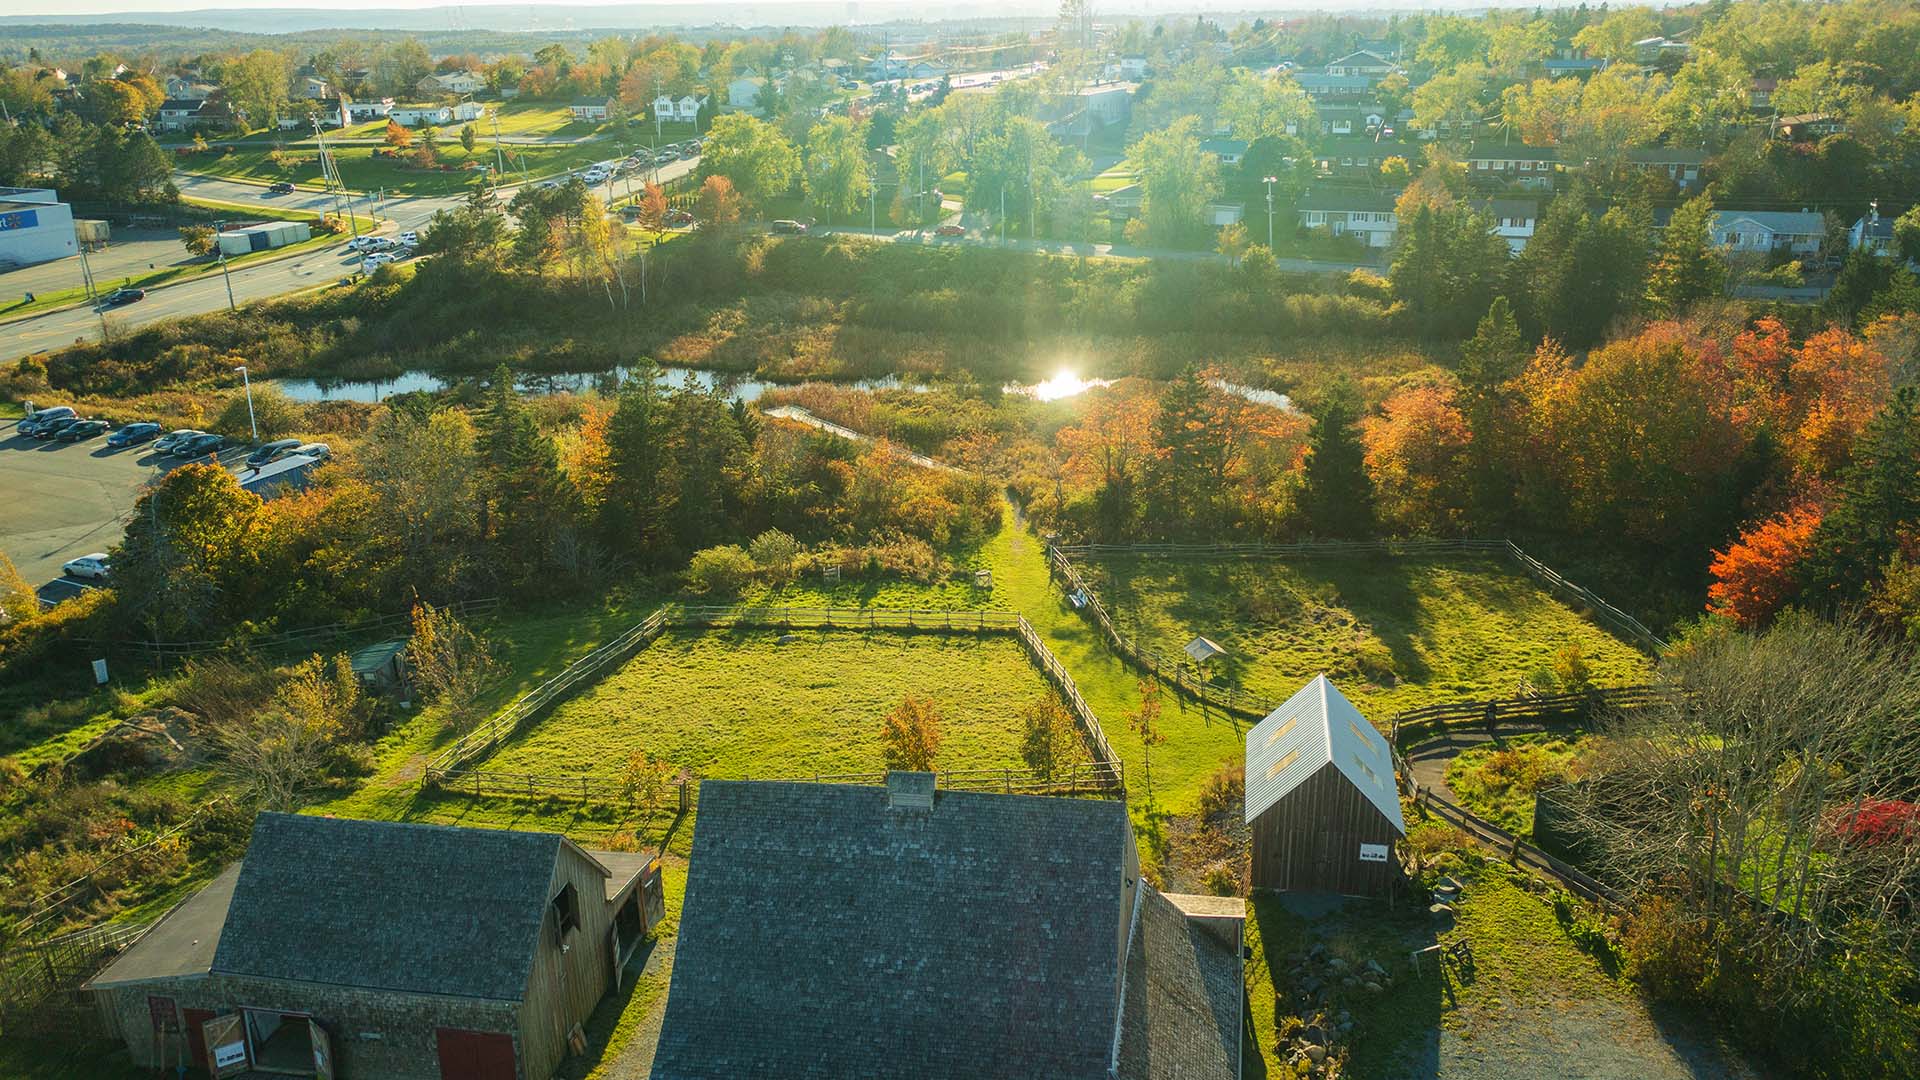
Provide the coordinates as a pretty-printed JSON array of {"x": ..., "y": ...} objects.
[
  {"x": 456, "y": 769},
  {"x": 32, "y": 973}
]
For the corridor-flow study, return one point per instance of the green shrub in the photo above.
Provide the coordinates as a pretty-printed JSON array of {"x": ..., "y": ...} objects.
[{"x": 721, "y": 571}]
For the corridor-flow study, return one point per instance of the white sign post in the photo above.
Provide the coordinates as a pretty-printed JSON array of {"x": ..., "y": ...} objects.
[{"x": 1373, "y": 853}]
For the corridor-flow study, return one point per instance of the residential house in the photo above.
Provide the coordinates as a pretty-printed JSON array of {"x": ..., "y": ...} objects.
[
  {"x": 686, "y": 108},
  {"x": 419, "y": 115},
  {"x": 1105, "y": 105},
  {"x": 1806, "y": 127},
  {"x": 179, "y": 114},
  {"x": 591, "y": 108},
  {"x": 1335, "y": 87},
  {"x": 1364, "y": 64},
  {"x": 1361, "y": 156},
  {"x": 468, "y": 110},
  {"x": 1228, "y": 151},
  {"x": 743, "y": 92},
  {"x": 1760, "y": 93},
  {"x": 1133, "y": 67},
  {"x": 188, "y": 88},
  {"x": 1514, "y": 221},
  {"x": 1220, "y": 214},
  {"x": 360, "y": 112},
  {"x": 310, "y": 88},
  {"x": 1575, "y": 67},
  {"x": 1873, "y": 233},
  {"x": 1364, "y": 118},
  {"x": 1513, "y": 163},
  {"x": 1661, "y": 50},
  {"x": 382, "y": 949},
  {"x": 451, "y": 83},
  {"x": 1346, "y": 211},
  {"x": 1769, "y": 231},
  {"x": 840, "y": 930},
  {"x": 1321, "y": 804},
  {"x": 1678, "y": 164}
]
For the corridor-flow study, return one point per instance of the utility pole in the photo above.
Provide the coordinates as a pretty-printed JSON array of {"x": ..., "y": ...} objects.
[
  {"x": 224, "y": 272},
  {"x": 1269, "y": 181},
  {"x": 499, "y": 153},
  {"x": 86, "y": 271},
  {"x": 330, "y": 173}
]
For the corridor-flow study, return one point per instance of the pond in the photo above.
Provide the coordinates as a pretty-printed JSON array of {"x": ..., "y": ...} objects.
[{"x": 730, "y": 385}]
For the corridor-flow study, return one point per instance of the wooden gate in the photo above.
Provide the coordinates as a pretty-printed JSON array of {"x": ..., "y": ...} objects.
[{"x": 474, "y": 1055}]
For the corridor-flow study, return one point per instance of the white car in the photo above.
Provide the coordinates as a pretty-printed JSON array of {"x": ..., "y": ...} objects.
[
  {"x": 361, "y": 243},
  {"x": 86, "y": 566},
  {"x": 375, "y": 261},
  {"x": 410, "y": 239},
  {"x": 319, "y": 451},
  {"x": 165, "y": 443}
]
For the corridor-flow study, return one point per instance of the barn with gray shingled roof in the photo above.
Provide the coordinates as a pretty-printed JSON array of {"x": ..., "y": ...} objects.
[
  {"x": 380, "y": 949},
  {"x": 839, "y": 930}
]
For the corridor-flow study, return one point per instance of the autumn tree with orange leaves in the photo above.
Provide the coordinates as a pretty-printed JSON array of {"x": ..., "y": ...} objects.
[
  {"x": 1755, "y": 576},
  {"x": 1416, "y": 454}
]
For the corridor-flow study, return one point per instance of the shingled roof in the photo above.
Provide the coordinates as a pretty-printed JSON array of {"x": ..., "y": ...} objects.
[
  {"x": 829, "y": 933},
  {"x": 430, "y": 909},
  {"x": 1184, "y": 993}
]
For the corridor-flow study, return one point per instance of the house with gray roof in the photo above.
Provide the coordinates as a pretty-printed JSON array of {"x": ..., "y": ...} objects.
[
  {"x": 841, "y": 930},
  {"x": 381, "y": 949},
  {"x": 1321, "y": 801}
]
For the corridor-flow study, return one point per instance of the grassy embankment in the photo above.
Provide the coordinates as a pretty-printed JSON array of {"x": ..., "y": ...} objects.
[
  {"x": 1394, "y": 634},
  {"x": 1499, "y": 782}
]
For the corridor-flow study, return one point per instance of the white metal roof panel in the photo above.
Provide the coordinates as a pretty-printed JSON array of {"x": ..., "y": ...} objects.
[{"x": 1315, "y": 726}]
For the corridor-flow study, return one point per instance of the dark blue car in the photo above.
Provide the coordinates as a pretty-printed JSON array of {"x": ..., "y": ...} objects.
[{"x": 134, "y": 434}]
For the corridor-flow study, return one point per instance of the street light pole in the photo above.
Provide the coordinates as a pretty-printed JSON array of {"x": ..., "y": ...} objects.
[
  {"x": 1270, "y": 182},
  {"x": 248, "y": 383}
]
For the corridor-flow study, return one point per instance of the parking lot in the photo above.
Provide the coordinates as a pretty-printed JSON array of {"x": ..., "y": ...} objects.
[{"x": 62, "y": 500}]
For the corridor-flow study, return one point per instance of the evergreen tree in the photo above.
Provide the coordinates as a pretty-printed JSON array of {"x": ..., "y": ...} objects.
[
  {"x": 704, "y": 444},
  {"x": 522, "y": 491},
  {"x": 1337, "y": 499},
  {"x": 1489, "y": 361},
  {"x": 1177, "y": 473},
  {"x": 1879, "y": 506},
  {"x": 639, "y": 497},
  {"x": 1419, "y": 272},
  {"x": 1689, "y": 267}
]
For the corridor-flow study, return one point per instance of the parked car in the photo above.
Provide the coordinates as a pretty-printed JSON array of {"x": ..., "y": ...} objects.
[
  {"x": 273, "y": 451},
  {"x": 31, "y": 425},
  {"x": 786, "y": 227},
  {"x": 165, "y": 443},
  {"x": 318, "y": 451},
  {"x": 195, "y": 445},
  {"x": 368, "y": 243},
  {"x": 679, "y": 218},
  {"x": 52, "y": 428},
  {"x": 92, "y": 566},
  {"x": 375, "y": 261},
  {"x": 118, "y": 297},
  {"x": 950, "y": 230},
  {"x": 134, "y": 434},
  {"x": 282, "y": 188},
  {"x": 81, "y": 430}
]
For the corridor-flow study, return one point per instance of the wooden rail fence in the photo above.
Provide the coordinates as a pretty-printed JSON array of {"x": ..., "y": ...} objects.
[
  {"x": 456, "y": 769},
  {"x": 304, "y": 637},
  {"x": 31, "y": 974}
]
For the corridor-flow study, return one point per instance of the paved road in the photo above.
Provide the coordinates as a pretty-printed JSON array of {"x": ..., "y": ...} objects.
[{"x": 62, "y": 500}]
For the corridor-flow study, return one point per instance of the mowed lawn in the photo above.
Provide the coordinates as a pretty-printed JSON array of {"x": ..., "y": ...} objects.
[
  {"x": 736, "y": 704},
  {"x": 1394, "y": 633}
]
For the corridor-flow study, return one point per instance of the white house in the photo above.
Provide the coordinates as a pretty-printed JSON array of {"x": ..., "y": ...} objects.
[
  {"x": 1350, "y": 211},
  {"x": 1220, "y": 215},
  {"x": 1133, "y": 67},
  {"x": 452, "y": 82},
  {"x": 685, "y": 108},
  {"x": 743, "y": 92},
  {"x": 1766, "y": 231},
  {"x": 35, "y": 227},
  {"x": 416, "y": 115},
  {"x": 1514, "y": 221},
  {"x": 178, "y": 114},
  {"x": 1229, "y": 151},
  {"x": 311, "y": 88},
  {"x": 468, "y": 110},
  {"x": 184, "y": 88},
  {"x": 1872, "y": 233},
  {"x": 359, "y": 112},
  {"x": 591, "y": 108}
]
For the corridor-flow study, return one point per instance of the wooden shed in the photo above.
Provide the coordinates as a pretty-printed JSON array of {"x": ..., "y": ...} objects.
[{"x": 1321, "y": 801}]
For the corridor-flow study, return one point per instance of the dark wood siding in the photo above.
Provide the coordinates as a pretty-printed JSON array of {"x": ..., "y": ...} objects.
[{"x": 1310, "y": 840}]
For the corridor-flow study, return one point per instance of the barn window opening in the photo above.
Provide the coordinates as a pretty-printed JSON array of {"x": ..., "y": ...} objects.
[
  {"x": 1366, "y": 768},
  {"x": 1282, "y": 731},
  {"x": 1280, "y": 766},
  {"x": 280, "y": 1042},
  {"x": 1358, "y": 734},
  {"x": 566, "y": 909}
]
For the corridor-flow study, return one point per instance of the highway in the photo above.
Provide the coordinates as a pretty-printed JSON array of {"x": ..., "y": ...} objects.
[{"x": 259, "y": 281}]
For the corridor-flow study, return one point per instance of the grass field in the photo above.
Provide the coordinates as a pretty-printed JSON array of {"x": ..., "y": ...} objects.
[
  {"x": 737, "y": 704},
  {"x": 1394, "y": 633},
  {"x": 361, "y": 171}
]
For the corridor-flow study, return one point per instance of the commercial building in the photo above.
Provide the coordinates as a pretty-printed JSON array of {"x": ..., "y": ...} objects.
[{"x": 35, "y": 227}]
